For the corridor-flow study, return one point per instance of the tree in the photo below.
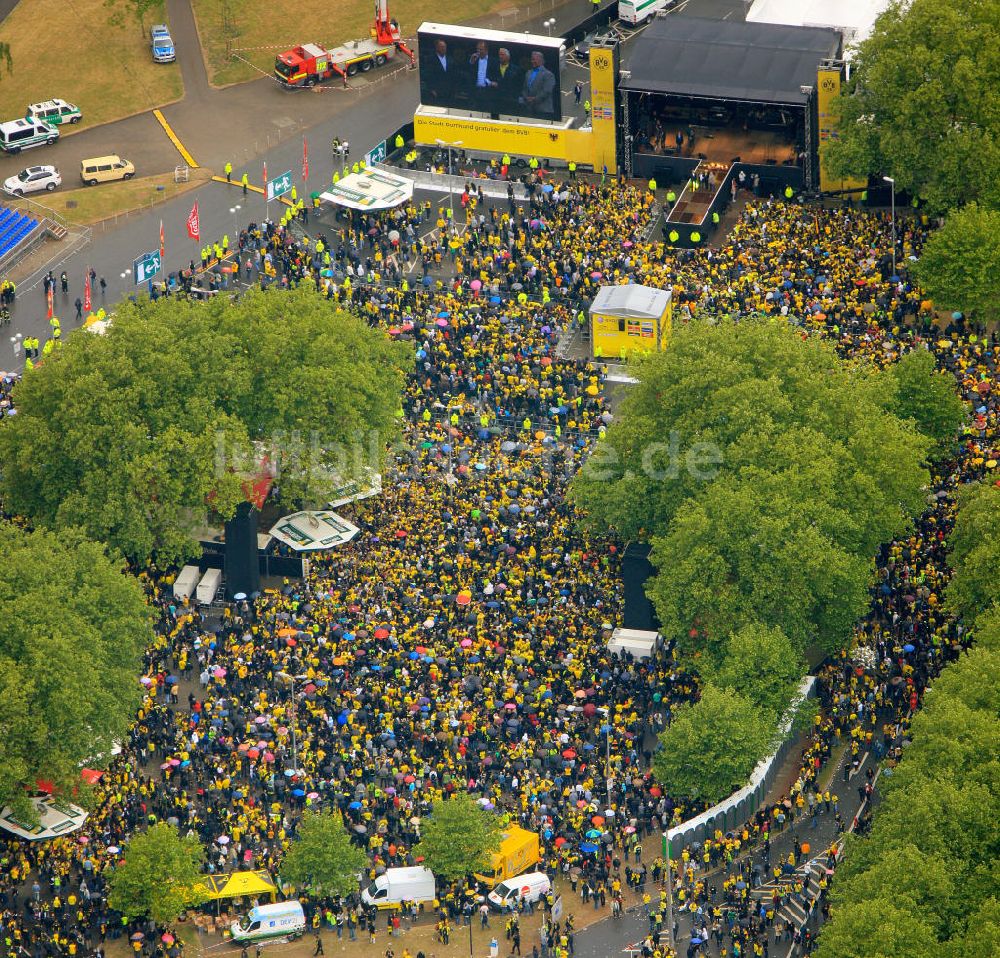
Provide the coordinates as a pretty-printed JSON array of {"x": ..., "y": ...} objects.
[
  {"x": 322, "y": 859},
  {"x": 728, "y": 399},
  {"x": 750, "y": 552},
  {"x": 460, "y": 838},
  {"x": 877, "y": 929},
  {"x": 6, "y": 57},
  {"x": 975, "y": 551},
  {"x": 959, "y": 267},
  {"x": 987, "y": 630},
  {"x": 137, "y": 434},
  {"x": 159, "y": 876},
  {"x": 74, "y": 630},
  {"x": 760, "y": 664},
  {"x": 926, "y": 396},
  {"x": 921, "y": 103},
  {"x": 711, "y": 747}
]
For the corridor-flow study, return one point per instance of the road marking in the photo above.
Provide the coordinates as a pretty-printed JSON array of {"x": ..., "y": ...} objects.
[{"x": 188, "y": 158}]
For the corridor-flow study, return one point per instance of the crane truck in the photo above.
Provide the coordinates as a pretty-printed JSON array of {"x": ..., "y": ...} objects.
[{"x": 309, "y": 64}]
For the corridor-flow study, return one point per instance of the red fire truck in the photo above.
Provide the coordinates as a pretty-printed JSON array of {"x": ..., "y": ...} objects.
[{"x": 310, "y": 63}]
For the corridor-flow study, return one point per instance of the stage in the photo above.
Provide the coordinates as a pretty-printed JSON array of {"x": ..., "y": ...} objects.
[{"x": 724, "y": 145}]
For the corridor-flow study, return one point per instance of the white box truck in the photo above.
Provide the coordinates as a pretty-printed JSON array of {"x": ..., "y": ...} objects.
[
  {"x": 208, "y": 586},
  {"x": 265, "y": 922},
  {"x": 397, "y": 885},
  {"x": 185, "y": 583}
]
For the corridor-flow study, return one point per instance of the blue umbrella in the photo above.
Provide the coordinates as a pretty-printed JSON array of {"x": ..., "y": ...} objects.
[
  {"x": 355, "y": 805},
  {"x": 909, "y": 647},
  {"x": 593, "y": 833},
  {"x": 588, "y": 847},
  {"x": 298, "y": 792}
]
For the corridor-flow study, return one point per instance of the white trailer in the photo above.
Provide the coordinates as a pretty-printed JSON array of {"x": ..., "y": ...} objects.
[
  {"x": 185, "y": 583},
  {"x": 209, "y": 585},
  {"x": 638, "y": 642}
]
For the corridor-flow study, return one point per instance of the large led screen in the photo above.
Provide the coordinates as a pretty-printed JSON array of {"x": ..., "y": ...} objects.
[{"x": 489, "y": 71}]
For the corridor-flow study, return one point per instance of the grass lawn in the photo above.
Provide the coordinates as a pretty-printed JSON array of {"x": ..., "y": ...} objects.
[
  {"x": 68, "y": 49},
  {"x": 92, "y": 203},
  {"x": 267, "y": 23}
]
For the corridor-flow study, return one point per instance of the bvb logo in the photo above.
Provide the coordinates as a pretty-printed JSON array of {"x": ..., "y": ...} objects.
[
  {"x": 829, "y": 84},
  {"x": 601, "y": 62}
]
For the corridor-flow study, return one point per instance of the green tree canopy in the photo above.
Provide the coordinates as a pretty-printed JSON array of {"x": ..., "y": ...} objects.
[
  {"x": 759, "y": 663},
  {"x": 921, "y": 103},
  {"x": 459, "y": 838},
  {"x": 766, "y": 471},
  {"x": 927, "y": 397},
  {"x": 975, "y": 551},
  {"x": 711, "y": 747},
  {"x": 322, "y": 859},
  {"x": 132, "y": 435},
  {"x": 923, "y": 880},
  {"x": 159, "y": 876},
  {"x": 959, "y": 266},
  {"x": 74, "y": 629}
]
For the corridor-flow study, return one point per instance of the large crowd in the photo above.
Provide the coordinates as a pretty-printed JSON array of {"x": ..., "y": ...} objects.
[{"x": 458, "y": 643}]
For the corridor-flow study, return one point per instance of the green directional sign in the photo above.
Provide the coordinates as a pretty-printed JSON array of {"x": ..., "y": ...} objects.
[
  {"x": 145, "y": 267},
  {"x": 279, "y": 186}
]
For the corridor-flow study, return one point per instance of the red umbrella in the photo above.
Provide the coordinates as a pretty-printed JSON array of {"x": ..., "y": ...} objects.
[
  {"x": 381, "y": 633},
  {"x": 569, "y": 753}
]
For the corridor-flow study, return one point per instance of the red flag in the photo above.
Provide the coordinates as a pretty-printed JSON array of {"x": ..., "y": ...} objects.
[
  {"x": 48, "y": 300},
  {"x": 265, "y": 179},
  {"x": 193, "y": 224},
  {"x": 163, "y": 245},
  {"x": 86, "y": 291},
  {"x": 305, "y": 160}
]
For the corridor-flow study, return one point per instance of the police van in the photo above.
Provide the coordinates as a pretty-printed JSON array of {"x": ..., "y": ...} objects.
[
  {"x": 265, "y": 922},
  {"x": 17, "y": 135}
]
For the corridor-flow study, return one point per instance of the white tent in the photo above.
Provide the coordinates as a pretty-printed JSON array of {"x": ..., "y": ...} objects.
[
  {"x": 55, "y": 818},
  {"x": 309, "y": 531},
  {"x": 853, "y": 18},
  {"x": 631, "y": 302},
  {"x": 371, "y": 189}
]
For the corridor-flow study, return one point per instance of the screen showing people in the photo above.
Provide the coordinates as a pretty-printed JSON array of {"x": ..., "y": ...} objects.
[{"x": 490, "y": 77}]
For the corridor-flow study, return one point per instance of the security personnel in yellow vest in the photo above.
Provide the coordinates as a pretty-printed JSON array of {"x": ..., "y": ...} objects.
[
  {"x": 400, "y": 142},
  {"x": 355, "y": 168},
  {"x": 671, "y": 196},
  {"x": 572, "y": 169},
  {"x": 652, "y": 185},
  {"x": 789, "y": 192},
  {"x": 245, "y": 183},
  {"x": 533, "y": 164},
  {"x": 506, "y": 159},
  {"x": 228, "y": 169}
]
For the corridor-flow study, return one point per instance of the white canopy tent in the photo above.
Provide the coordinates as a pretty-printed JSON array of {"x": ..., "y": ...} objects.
[
  {"x": 55, "y": 818},
  {"x": 370, "y": 189},
  {"x": 631, "y": 301},
  {"x": 853, "y": 18},
  {"x": 311, "y": 531}
]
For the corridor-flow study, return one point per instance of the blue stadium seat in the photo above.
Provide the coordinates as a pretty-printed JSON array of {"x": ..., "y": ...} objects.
[{"x": 15, "y": 227}]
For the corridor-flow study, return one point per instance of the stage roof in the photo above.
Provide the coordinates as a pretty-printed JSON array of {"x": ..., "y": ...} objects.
[{"x": 728, "y": 60}]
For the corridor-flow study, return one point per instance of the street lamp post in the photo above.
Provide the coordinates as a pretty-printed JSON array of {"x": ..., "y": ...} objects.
[
  {"x": 892, "y": 183},
  {"x": 451, "y": 194},
  {"x": 549, "y": 24},
  {"x": 235, "y": 210},
  {"x": 291, "y": 680}
]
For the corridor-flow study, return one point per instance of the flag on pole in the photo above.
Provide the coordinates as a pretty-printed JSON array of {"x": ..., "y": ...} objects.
[
  {"x": 86, "y": 291},
  {"x": 193, "y": 223},
  {"x": 48, "y": 300},
  {"x": 163, "y": 244},
  {"x": 305, "y": 160}
]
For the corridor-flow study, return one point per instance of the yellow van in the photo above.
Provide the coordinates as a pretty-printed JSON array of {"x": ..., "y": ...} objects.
[{"x": 104, "y": 169}]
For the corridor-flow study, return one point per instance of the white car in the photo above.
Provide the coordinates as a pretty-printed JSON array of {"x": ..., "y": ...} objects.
[{"x": 33, "y": 180}]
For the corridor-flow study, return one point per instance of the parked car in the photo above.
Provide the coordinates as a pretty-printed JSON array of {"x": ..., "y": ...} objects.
[
  {"x": 162, "y": 45},
  {"x": 33, "y": 180},
  {"x": 55, "y": 112},
  {"x": 17, "y": 135},
  {"x": 104, "y": 169}
]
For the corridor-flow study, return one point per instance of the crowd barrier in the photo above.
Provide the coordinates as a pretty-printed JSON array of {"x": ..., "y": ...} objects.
[
  {"x": 732, "y": 812},
  {"x": 449, "y": 183}
]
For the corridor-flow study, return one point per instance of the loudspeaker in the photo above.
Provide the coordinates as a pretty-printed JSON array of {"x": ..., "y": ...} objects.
[
  {"x": 242, "y": 567},
  {"x": 636, "y": 569}
]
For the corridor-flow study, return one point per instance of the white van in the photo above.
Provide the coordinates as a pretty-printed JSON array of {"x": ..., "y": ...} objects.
[
  {"x": 400, "y": 884},
  {"x": 185, "y": 583},
  {"x": 279, "y": 920},
  {"x": 636, "y": 11},
  {"x": 208, "y": 586},
  {"x": 525, "y": 888},
  {"x": 20, "y": 135}
]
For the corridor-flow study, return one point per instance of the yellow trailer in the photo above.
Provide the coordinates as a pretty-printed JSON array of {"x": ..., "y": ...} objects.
[{"x": 630, "y": 319}]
